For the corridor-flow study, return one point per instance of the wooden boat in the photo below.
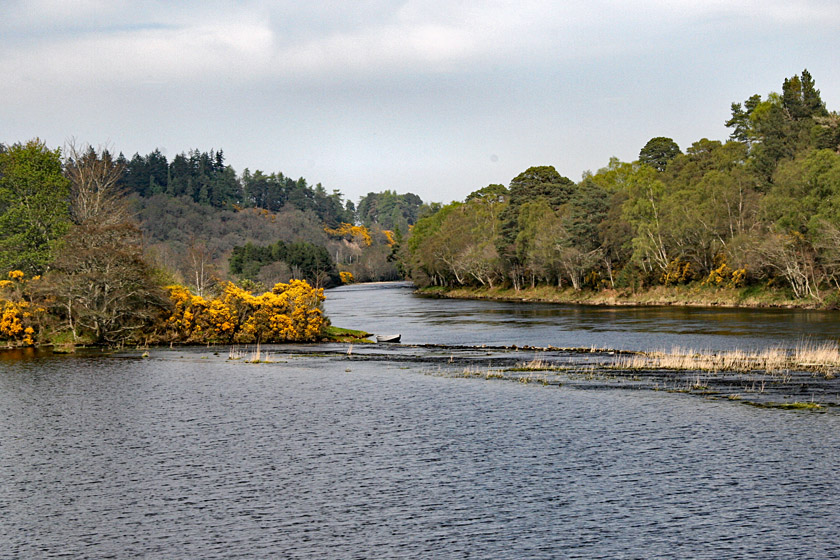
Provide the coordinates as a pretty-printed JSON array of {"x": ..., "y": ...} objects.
[{"x": 388, "y": 338}]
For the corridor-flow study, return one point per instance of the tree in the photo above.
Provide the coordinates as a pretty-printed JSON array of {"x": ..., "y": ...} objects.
[
  {"x": 658, "y": 152},
  {"x": 490, "y": 193},
  {"x": 533, "y": 184},
  {"x": 101, "y": 285},
  {"x": 801, "y": 99},
  {"x": 792, "y": 258},
  {"x": 740, "y": 121},
  {"x": 541, "y": 182},
  {"x": 95, "y": 193},
  {"x": 33, "y": 206},
  {"x": 389, "y": 210},
  {"x": 200, "y": 263}
]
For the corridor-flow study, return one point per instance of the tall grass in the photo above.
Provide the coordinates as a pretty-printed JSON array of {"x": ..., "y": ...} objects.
[{"x": 821, "y": 358}]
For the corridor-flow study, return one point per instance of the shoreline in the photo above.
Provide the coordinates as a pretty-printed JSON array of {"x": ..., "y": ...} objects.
[{"x": 659, "y": 296}]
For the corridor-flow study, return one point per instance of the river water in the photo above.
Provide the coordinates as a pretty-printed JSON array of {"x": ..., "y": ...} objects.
[
  {"x": 391, "y": 308},
  {"x": 188, "y": 454}
]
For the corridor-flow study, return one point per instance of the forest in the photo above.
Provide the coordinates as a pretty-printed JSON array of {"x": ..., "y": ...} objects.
[{"x": 759, "y": 211}]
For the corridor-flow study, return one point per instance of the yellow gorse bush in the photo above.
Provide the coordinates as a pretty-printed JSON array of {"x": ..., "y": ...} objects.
[
  {"x": 16, "y": 313},
  {"x": 678, "y": 272},
  {"x": 725, "y": 276},
  {"x": 349, "y": 231},
  {"x": 389, "y": 235},
  {"x": 289, "y": 312}
]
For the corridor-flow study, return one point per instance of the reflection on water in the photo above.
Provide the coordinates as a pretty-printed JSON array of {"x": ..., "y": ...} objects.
[{"x": 393, "y": 308}]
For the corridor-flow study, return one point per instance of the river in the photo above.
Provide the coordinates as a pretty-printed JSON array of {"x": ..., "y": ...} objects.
[
  {"x": 323, "y": 454},
  {"x": 391, "y": 308}
]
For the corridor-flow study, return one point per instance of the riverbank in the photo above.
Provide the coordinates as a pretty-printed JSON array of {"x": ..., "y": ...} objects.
[{"x": 685, "y": 295}]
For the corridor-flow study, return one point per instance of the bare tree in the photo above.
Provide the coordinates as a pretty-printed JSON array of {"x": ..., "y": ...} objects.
[
  {"x": 101, "y": 284},
  {"x": 200, "y": 264},
  {"x": 95, "y": 196},
  {"x": 790, "y": 256}
]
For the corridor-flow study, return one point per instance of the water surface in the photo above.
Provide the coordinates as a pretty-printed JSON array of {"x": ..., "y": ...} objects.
[
  {"x": 189, "y": 455},
  {"x": 391, "y": 308}
]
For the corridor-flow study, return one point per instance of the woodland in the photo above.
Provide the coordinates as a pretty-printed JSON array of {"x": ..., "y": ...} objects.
[
  {"x": 102, "y": 249},
  {"x": 759, "y": 212}
]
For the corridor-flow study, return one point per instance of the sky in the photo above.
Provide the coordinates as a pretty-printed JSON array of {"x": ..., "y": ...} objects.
[{"x": 438, "y": 98}]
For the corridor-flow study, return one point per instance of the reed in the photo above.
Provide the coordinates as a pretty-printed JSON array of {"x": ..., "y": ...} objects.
[
  {"x": 824, "y": 358},
  {"x": 235, "y": 353},
  {"x": 536, "y": 364},
  {"x": 821, "y": 358},
  {"x": 259, "y": 357}
]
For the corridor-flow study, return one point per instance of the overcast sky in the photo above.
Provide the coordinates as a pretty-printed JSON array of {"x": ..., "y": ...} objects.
[{"x": 438, "y": 98}]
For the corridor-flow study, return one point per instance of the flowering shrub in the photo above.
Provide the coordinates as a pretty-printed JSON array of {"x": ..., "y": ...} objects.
[
  {"x": 389, "y": 236},
  {"x": 17, "y": 315},
  {"x": 289, "y": 312},
  {"x": 350, "y": 232},
  {"x": 678, "y": 272},
  {"x": 723, "y": 275}
]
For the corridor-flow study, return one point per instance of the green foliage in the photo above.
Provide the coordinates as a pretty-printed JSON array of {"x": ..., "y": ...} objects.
[
  {"x": 389, "y": 210},
  {"x": 34, "y": 209},
  {"x": 763, "y": 207},
  {"x": 490, "y": 193},
  {"x": 535, "y": 183},
  {"x": 541, "y": 182},
  {"x": 306, "y": 261},
  {"x": 205, "y": 179},
  {"x": 658, "y": 152}
]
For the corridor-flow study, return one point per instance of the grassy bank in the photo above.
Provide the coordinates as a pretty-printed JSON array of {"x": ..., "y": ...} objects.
[
  {"x": 338, "y": 334},
  {"x": 688, "y": 295}
]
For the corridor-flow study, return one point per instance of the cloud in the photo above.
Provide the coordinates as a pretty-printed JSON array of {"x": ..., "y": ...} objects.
[
  {"x": 60, "y": 43},
  {"x": 431, "y": 82}
]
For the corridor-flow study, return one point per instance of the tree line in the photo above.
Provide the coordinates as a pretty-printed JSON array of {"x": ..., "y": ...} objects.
[
  {"x": 205, "y": 178},
  {"x": 762, "y": 208}
]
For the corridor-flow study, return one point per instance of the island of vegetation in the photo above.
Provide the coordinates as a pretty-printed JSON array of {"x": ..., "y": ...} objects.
[
  {"x": 104, "y": 249},
  {"x": 752, "y": 221}
]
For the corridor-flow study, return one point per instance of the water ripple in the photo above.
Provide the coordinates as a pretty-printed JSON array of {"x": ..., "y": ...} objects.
[{"x": 186, "y": 455}]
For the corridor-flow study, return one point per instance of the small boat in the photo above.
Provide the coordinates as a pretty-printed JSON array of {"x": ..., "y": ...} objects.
[{"x": 388, "y": 338}]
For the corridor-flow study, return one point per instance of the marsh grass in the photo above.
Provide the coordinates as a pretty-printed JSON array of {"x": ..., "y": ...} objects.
[
  {"x": 484, "y": 373},
  {"x": 488, "y": 373},
  {"x": 796, "y": 405},
  {"x": 536, "y": 364},
  {"x": 259, "y": 357},
  {"x": 821, "y": 359},
  {"x": 236, "y": 353}
]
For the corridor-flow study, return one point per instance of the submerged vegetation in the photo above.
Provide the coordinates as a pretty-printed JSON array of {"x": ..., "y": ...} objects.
[{"x": 800, "y": 388}]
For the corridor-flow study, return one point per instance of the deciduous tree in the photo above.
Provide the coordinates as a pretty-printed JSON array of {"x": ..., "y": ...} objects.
[{"x": 34, "y": 212}]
